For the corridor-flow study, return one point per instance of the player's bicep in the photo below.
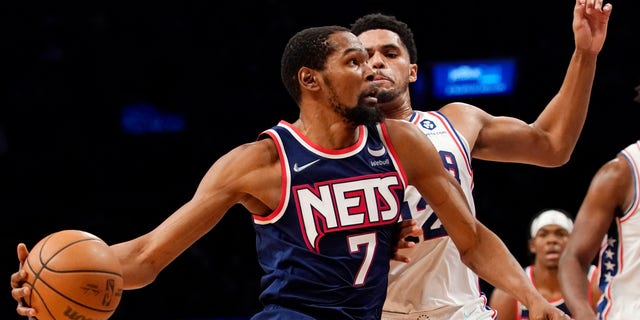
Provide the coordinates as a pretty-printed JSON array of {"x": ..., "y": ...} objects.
[
  {"x": 511, "y": 139},
  {"x": 237, "y": 173}
]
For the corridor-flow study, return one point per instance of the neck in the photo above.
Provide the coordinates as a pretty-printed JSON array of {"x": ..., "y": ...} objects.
[
  {"x": 546, "y": 278},
  {"x": 398, "y": 108},
  {"x": 333, "y": 135}
]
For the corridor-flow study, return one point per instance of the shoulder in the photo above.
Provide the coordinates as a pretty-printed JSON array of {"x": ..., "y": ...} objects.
[
  {"x": 245, "y": 159},
  {"x": 250, "y": 171},
  {"x": 263, "y": 151},
  {"x": 612, "y": 186},
  {"x": 399, "y": 126},
  {"x": 466, "y": 119},
  {"x": 459, "y": 110},
  {"x": 615, "y": 173},
  {"x": 403, "y": 133}
]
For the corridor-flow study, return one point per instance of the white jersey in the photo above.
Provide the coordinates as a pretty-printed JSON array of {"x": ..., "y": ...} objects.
[
  {"x": 436, "y": 284},
  {"x": 619, "y": 261}
]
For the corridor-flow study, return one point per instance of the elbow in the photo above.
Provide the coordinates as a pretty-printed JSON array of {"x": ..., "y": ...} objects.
[
  {"x": 556, "y": 158},
  {"x": 559, "y": 161},
  {"x": 470, "y": 261},
  {"x": 469, "y": 256},
  {"x": 138, "y": 274},
  {"x": 139, "y": 268},
  {"x": 563, "y": 157}
]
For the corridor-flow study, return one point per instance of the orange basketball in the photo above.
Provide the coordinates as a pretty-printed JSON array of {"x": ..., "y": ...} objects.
[{"x": 73, "y": 275}]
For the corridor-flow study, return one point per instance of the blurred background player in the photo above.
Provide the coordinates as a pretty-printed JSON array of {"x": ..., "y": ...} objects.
[{"x": 549, "y": 231}]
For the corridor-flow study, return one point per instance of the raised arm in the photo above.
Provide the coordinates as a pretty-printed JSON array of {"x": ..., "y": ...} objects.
[
  {"x": 480, "y": 249},
  {"x": 551, "y": 138},
  {"x": 607, "y": 194}
]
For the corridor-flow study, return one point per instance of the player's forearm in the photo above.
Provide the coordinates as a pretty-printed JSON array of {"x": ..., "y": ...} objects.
[
  {"x": 575, "y": 286},
  {"x": 493, "y": 262},
  {"x": 564, "y": 116}
]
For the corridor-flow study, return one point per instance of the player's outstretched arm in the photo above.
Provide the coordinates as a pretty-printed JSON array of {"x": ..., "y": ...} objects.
[
  {"x": 562, "y": 120},
  {"x": 550, "y": 140},
  {"x": 247, "y": 175}
]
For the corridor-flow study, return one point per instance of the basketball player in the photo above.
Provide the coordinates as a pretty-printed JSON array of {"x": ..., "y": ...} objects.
[
  {"x": 549, "y": 232},
  {"x": 325, "y": 193},
  {"x": 608, "y": 220},
  {"x": 437, "y": 284}
]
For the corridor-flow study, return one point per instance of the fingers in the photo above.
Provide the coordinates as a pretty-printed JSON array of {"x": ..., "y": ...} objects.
[
  {"x": 405, "y": 244},
  {"x": 595, "y": 5},
  {"x": 409, "y": 228},
  {"x": 17, "y": 278},
  {"x": 27, "y": 312},
  {"x": 23, "y": 253},
  {"x": 19, "y": 294},
  {"x": 401, "y": 258}
]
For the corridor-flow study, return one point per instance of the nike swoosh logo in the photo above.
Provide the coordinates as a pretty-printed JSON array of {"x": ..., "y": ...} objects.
[
  {"x": 376, "y": 153},
  {"x": 297, "y": 168}
]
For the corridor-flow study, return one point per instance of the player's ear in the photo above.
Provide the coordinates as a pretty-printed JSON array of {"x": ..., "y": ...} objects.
[
  {"x": 532, "y": 246},
  {"x": 307, "y": 78},
  {"x": 413, "y": 72}
]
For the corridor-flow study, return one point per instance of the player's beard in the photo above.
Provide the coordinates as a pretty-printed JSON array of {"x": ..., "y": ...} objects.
[
  {"x": 362, "y": 113},
  {"x": 365, "y": 113}
]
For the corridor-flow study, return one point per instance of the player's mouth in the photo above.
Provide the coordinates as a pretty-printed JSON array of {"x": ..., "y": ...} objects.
[
  {"x": 381, "y": 79},
  {"x": 552, "y": 254}
]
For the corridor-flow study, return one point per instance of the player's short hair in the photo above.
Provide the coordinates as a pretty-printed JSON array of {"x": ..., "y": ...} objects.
[
  {"x": 308, "y": 48},
  {"x": 388, "y": 22}
]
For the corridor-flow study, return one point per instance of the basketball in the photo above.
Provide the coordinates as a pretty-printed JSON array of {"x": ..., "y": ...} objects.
[{"x": 73, "y": 275}]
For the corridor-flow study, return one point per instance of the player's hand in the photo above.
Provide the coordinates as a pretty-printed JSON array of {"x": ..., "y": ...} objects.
[
  {"x": 590, "y": 21},
  {"x": 546, "y": 311},
  {"x": 17, "y": 279},
  {"x": 408, "y": 228}
]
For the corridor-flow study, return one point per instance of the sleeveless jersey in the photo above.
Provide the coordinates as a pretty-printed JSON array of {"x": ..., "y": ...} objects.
[
  {"x": 523, "y": 312},
  {"x": 325, "y": 250},
  {"x": 619, "y": 259},
  {"x": 436, "y": 278}
]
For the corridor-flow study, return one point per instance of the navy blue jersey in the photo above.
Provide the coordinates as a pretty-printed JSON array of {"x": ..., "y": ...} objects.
[{"x": 326, "y": 249}]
